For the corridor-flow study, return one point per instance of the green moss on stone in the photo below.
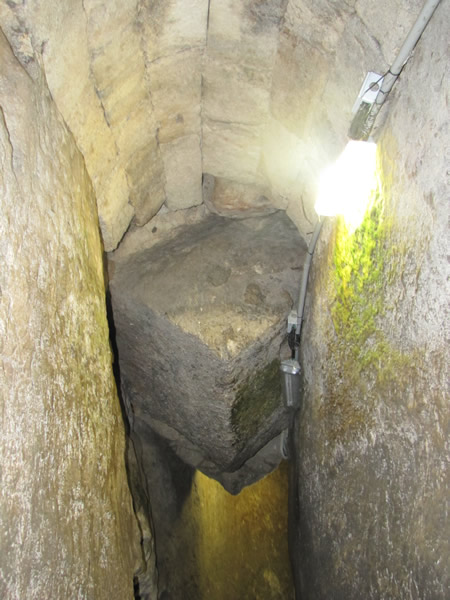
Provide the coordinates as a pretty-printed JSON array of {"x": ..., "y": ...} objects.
[
  {"x": 256, "y": 399},
  {"x": 365, "y": 263},
  {"x": 359, "y": 262}
]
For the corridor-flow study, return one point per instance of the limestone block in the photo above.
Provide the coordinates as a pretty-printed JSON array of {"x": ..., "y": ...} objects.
[
  {"x": 242, "y": 40},
  {"x": 169, "y": 27},
  {"x": 66, "y": 517},
  {"x": 235, "y": 93},
  {"x": 183, "y": 165},
  {"x": 136, "y": 130},
  {"x": 231, "y": 199},
  {"x": 114, "y": 214},
  {"x": 292, "y": 167},
  {"x": 176, "y": 89},
  {"x": 118, "y": 68},
  {"x": 245, "y": 32},
  {"x": 232, "y": 151},
  {"x": 66, "y": 55},
  {"x": 242, "y": 43},
  {"x": 283, "y": 156},
  {"x": 199, "y": 322},
  {"x": 299, "y": 76},
  {"x": 146, "y": 172},
  {"x": 116, "y": 57}
]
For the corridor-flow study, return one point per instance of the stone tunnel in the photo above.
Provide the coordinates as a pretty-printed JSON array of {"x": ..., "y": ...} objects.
[{"x": 160, "y": 165}]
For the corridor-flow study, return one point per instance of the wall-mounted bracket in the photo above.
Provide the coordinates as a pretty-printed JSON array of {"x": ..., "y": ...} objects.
[
  {"x": 293, "y": 321},
  {"x": 369, "y": 90}
]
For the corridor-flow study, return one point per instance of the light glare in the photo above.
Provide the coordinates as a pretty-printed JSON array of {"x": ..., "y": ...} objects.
[{"x": 345, "y": 187}]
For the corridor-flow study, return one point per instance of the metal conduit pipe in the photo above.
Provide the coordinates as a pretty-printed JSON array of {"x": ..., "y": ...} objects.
[
  {"x": 290, "y": 368},
  {"x": 362, "y": 131},
  {"x": 304, "y": 285}
]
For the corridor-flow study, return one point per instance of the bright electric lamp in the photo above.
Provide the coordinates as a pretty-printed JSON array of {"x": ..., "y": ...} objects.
[{"x": 345, "y": 187}]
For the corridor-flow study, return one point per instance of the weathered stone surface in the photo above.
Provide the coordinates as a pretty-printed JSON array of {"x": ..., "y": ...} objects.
[
  {"x": 231, "y": 199},
  {"x": 67, "y": 527},
  {"x": 267, "y": 86},
  {"x": 183, "y": 163},
  {"x": 176, "y": 85},
  {"x": 235, "y": 93},
  {"x": 61, "y": 35},
  {"x": 240, "y": 144},
  {"x": 373, "y": 436},
  {"x": 199, "y": 336},
  {"x": 214, "y": 545},
  {"x": 147, "y": 199},
  {"x": 170, "y": 27},
  {"x": 390, "y": 22},
  {"x": 283, "y": 161},
  {"x": 162, "y": 227},
  {"x": 245, "y": 32},
  {"x": 306, "y": 69},
  {"x": 237, "y": 83},
  {"x": 133, "y": 74}
]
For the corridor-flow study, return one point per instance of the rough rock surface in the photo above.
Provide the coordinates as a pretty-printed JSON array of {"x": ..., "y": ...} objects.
[
  {"x": 259, "y": 93},
  {"x": 373, "y": 439},
  {"x": 67, "y": 528},
  {"x": 199, "y": 323},
  {"x": 232, "y": 199},
  {"x": 256, "y": 93},
  {"x": 211, "y": 544}
]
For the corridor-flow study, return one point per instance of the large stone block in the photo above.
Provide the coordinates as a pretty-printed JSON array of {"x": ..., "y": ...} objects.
[
  {"x": 231, "y": 199},
  {"x": 146, "y": 172},
  {"x": 232, "y": 150},
  {"x": 67, "y": 528},
  {"x": 68, "y": 55},
  {"x": 199, "y": 320},
  {"x": 170, "y": 27},
  {"x": 176, "y": 89},
  {"x": 236, "y": 93},
  {"x": 245, "y": 32}
]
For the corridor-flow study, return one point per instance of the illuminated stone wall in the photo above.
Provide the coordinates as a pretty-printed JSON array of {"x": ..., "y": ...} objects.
[
  {"x": 232, "y": 546},
  {"x": 67, "y": 528},
  {"x": 373, "y": 434},
  {"x": 256, "y": 94}
]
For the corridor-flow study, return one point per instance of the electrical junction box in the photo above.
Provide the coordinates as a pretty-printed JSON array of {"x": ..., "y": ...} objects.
[{"x": 369, "y": 90}]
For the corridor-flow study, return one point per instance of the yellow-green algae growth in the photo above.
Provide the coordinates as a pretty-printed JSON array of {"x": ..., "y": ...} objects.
[
  {"x": 236, "y": 546},
  {"x": 364, "y": 263}
]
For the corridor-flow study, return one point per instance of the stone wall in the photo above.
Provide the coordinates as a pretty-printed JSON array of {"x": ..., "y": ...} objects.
[
  {"x": 67, "y": 528},
  {"x": 255, "y": 94},
  {"x": 373, "y": 434},
  {"x": 126, "y": 76},
  {"x": 212, "y": 544}
]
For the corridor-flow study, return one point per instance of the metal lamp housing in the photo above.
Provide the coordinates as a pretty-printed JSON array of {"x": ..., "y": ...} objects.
[{"x": 291, "y": 381}]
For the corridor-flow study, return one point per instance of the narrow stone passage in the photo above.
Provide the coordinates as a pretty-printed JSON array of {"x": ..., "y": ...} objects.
[
  {"x": 199, "y": 316},
  {"x": 234, "y": 546},
  {"x": 121, "y": 121}
]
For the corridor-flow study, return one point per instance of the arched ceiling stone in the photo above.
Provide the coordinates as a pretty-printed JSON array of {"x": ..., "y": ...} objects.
[{"x": 158, "y": 93}]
